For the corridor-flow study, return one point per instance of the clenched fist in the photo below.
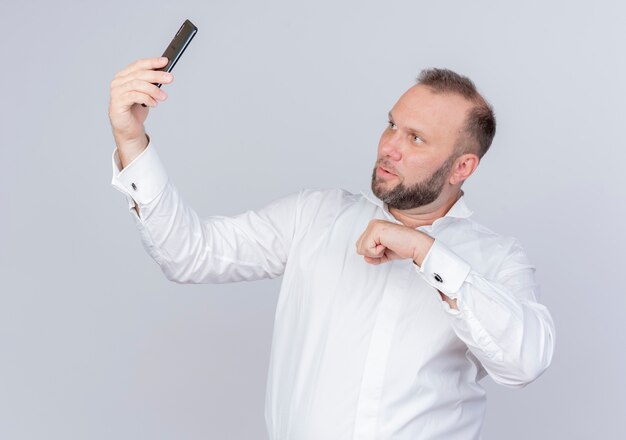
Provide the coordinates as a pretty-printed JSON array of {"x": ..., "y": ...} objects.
[
  {"x": 383, "y": 241},
  {"x": 131, "y": 87}
]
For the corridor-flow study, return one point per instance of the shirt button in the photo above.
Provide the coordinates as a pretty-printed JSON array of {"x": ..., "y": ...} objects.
[
  {"x": 438, "y": 278},
  {"x": 134, "y": 186}
]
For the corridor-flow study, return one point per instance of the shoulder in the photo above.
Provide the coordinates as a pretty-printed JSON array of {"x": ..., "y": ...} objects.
[
  {"x": 481, "y": 246},
  {"x": 488, "y": 236},
  {"x": 326, "y": 199},
  {"x": 485, "y": 234},
  {"x": 328, "y": 194},
  {"x": 307, "y": 202},
  {"x": 323, "y": 206}
]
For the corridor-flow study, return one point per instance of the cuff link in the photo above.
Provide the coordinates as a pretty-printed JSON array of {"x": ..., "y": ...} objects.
[
  {"x": 134, "y": 186},
  {"x": 437, "y": 278}
]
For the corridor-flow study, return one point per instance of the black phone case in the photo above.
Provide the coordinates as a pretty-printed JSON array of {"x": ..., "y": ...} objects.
[{"x": 177, "y": 46}]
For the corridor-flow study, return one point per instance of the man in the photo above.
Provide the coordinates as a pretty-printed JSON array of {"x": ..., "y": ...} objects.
[{"x": 393, "y": 304}]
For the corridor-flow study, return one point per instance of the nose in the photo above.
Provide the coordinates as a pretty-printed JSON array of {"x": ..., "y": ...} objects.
[{"x": 390, "y": 145}]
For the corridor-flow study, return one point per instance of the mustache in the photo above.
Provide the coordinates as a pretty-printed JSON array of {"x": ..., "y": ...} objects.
[{"x": 386, "y": 166}]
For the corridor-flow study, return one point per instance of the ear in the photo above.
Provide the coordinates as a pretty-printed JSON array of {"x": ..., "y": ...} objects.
[{"x": 463, "y": 167}]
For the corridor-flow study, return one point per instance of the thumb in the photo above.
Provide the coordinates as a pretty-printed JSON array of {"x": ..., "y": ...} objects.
[{"x": 378, "y": 250}]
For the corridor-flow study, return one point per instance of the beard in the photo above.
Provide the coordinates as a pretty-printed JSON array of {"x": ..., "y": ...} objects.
[{"x": 419, "y": 194}]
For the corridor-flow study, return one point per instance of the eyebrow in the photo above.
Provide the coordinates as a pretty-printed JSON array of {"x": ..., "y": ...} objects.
[{"x": 411, "y": 129}]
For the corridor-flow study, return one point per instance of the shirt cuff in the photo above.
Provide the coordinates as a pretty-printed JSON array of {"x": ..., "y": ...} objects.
[
  {"x": 450, "y": 310},
  {"x": 143, "y": 179},
  {"x": 443, "y": 269}
]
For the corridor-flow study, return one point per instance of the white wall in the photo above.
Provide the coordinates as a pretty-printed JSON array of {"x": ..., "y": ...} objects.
[{"x": 269, "y": 98}]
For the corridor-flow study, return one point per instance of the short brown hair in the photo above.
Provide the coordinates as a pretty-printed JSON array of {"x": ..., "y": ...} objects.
[{"x": 480, "y": 126}]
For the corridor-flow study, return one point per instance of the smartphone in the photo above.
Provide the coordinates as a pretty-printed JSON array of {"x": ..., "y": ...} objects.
[{"x": 177, "y": 46}]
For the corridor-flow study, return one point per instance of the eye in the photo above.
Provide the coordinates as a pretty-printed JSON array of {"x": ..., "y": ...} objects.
[
  {"x": 391, "y": 125},
  {"x": 417, "y": 139}
]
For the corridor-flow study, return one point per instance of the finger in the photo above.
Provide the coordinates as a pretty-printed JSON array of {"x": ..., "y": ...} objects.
[
  {"x": 376, "y": 251},
  {"x": 391, "y": 255},
  {"x": 151, "y": 76},
  {"x": 371, "y": 260},
  {"x": 359, "y": 244},
  {"x": 143, "y": 64},
  {"x": 138, "y": 85},
  {"x": 133, "y": 97}
]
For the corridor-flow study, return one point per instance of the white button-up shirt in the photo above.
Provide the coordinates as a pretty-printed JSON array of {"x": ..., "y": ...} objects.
[{"x": 360, "y": 351}]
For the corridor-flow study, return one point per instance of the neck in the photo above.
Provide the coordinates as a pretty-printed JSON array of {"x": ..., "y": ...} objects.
[{"x": 427, "y": 214}]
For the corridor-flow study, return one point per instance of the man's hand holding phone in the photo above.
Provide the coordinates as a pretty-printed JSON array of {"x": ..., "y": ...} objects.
[
  {"x": 131, "y": 87},
  {"x": 136, "y": 88}
]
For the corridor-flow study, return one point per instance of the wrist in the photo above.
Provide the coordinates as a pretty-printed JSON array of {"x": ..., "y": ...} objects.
[
  {"x": 129, "y": 150},
  {"x": 422, "y": 246}
]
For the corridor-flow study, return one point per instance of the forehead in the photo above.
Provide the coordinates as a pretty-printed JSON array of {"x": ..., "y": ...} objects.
[{"x": 439, "y": 115}]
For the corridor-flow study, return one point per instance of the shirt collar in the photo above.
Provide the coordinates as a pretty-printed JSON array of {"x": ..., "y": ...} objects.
[{"x": 458, "y": 210}]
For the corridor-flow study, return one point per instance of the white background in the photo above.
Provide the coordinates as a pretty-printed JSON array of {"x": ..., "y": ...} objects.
[{"x": 271, "y": 97}]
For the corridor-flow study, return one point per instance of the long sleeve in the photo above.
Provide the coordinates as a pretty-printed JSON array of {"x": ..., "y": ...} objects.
[
  {"x": 215, "y": 249},
  {"x": 499, "y": 317}
]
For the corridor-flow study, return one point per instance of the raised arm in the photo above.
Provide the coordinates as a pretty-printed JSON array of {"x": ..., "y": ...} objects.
[
  {"x": 188, "y": 249},
  {"x": 216, "y": 249}
]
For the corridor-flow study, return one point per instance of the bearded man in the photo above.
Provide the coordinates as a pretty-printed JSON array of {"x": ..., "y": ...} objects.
[{"x": 394, "y": 303}]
